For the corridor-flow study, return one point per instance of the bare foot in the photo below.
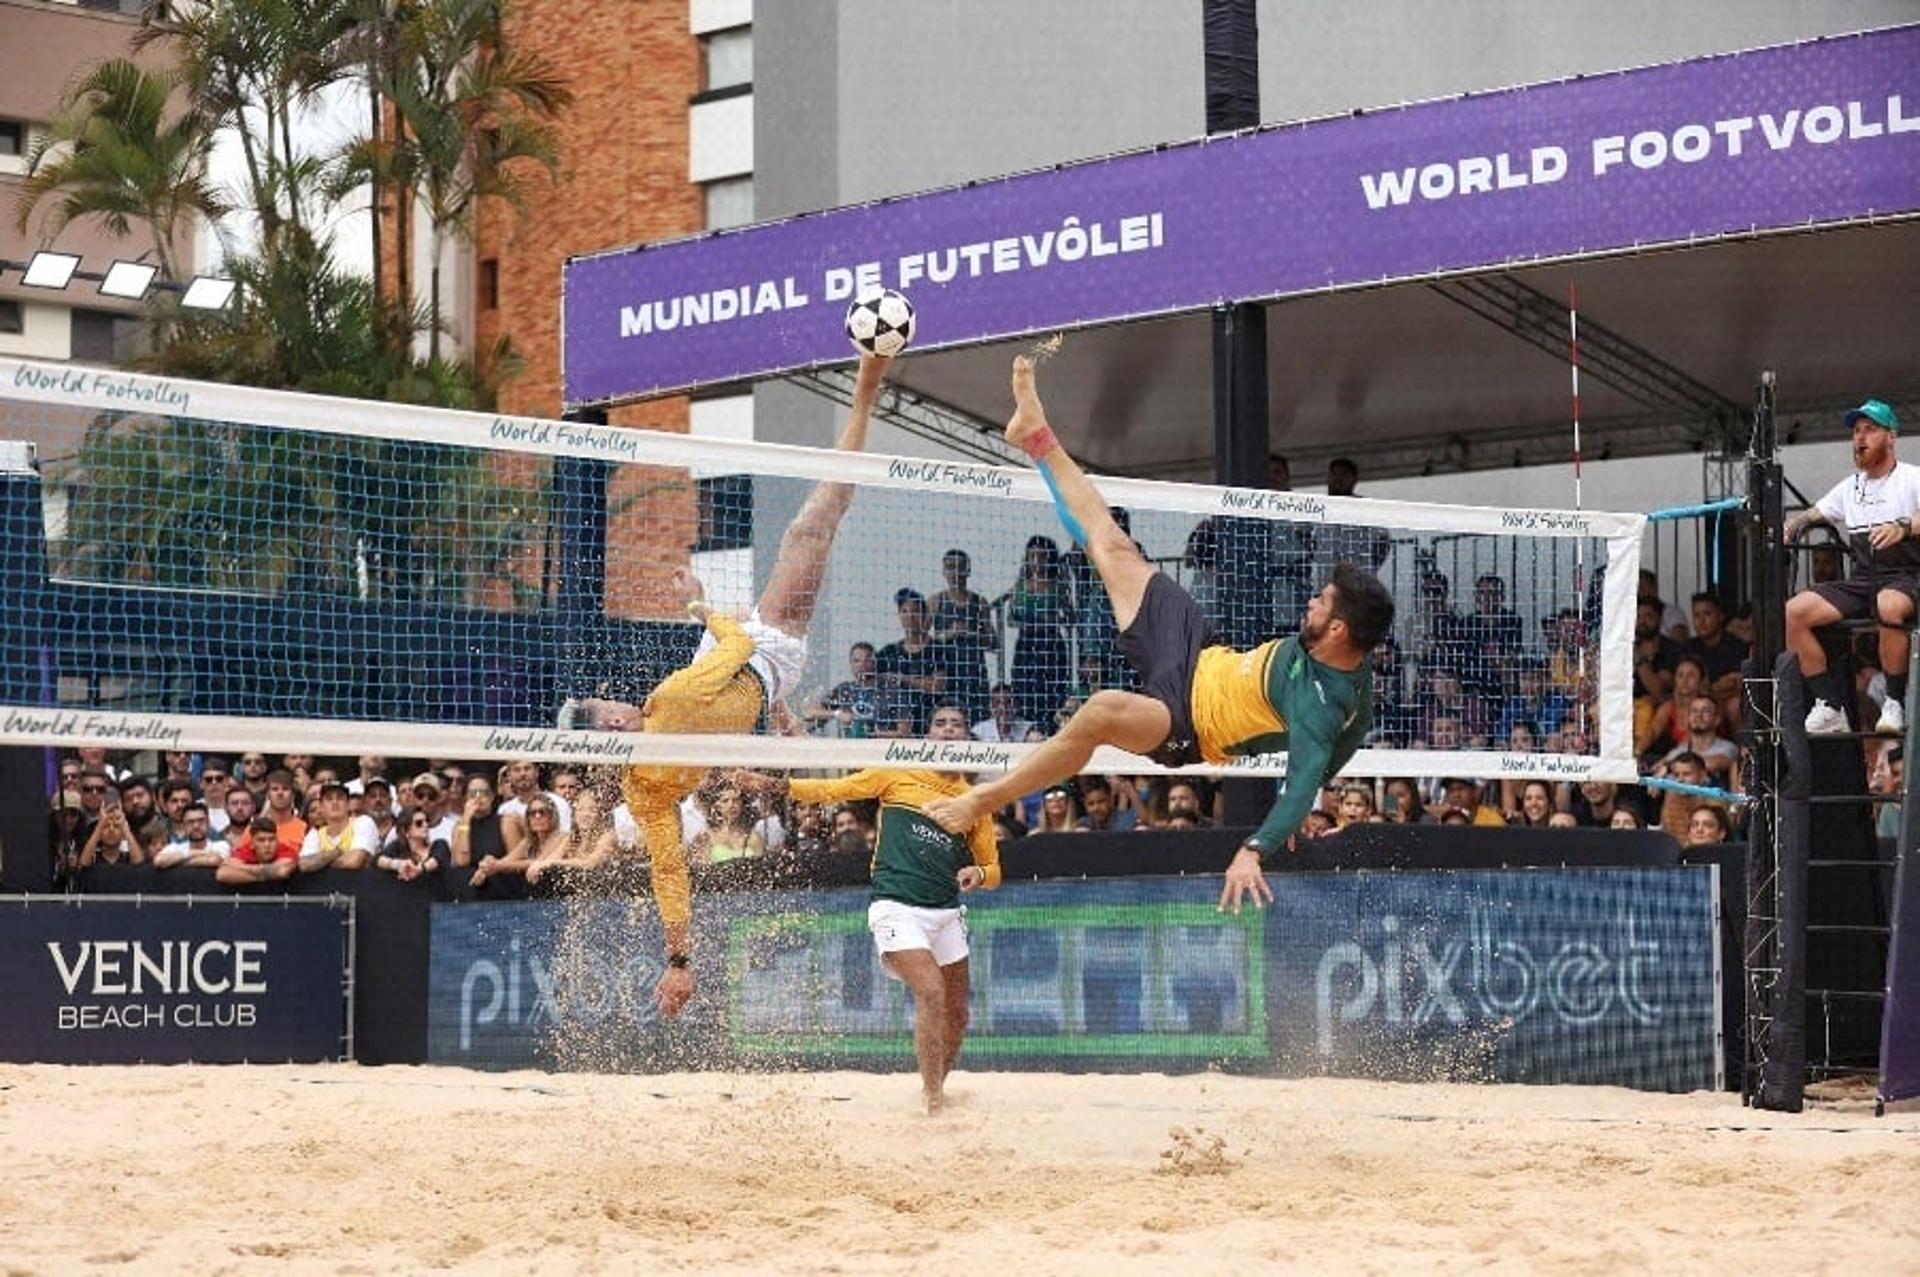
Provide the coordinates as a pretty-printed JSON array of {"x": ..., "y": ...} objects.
[
  {"x": 1029, "y": 417},
  {"x": 955, "y": 815},
  {"x": 931, "y": 1102}
]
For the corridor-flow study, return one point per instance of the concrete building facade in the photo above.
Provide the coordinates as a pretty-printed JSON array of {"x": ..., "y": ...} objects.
[{"x": 45, "y": 46}]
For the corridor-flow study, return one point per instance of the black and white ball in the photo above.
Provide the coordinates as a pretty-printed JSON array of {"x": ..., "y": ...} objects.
[{"x": 880, "y": 323}]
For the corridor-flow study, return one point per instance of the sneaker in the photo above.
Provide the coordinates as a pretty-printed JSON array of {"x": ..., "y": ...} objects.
[
  {"x": 1826, "y": 720},
  {"x": 1893, "y": 718}
]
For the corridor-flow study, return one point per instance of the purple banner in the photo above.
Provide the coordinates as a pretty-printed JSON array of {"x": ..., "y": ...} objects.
[{"x": 1781, "y": 138}]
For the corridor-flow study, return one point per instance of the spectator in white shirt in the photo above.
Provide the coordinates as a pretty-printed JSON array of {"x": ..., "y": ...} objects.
[
  {"x": 94, "y": 756},
  {"x": 522, "y": 780},
  {"x": 215, "y": 781},
  {"x": 1002, "y": 726},
  {"x": 197, "y": 847},
  {"x": 372, "y": 767},
  {"x": 430, "y": 795},
  {"x": 341, "y": 840}
]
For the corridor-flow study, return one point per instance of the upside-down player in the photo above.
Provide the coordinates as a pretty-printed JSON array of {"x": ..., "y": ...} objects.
[
  {"x": 1311, "y": 695},
  {"x": 919, "y": 871},
  {"x": 740, "y": 671}
]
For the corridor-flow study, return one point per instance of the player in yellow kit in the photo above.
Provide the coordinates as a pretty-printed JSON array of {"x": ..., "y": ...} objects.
[
  {"x": 740, "y": 671},
  {"x": 919, "y": 871}
]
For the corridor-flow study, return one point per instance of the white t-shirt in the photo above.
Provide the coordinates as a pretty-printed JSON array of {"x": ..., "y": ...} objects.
[
  {"x": 1857, "y": 503},
  {"x": 1721, "y": 747},
  {"x": 358, "y": 788},
  {"x": 218, "y": 820},
  {"x": 517, "y": 807},
  {"x": 626, "y": 831},
  {"x": 179, "y": 851},
  {"x": 441, "y": 831},
  {"x": 989, "y": 731},
  {"x": 361, "y": 834}
]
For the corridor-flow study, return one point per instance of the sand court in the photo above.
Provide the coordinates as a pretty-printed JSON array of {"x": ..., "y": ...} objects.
[{"x": 346, "y": 1170}]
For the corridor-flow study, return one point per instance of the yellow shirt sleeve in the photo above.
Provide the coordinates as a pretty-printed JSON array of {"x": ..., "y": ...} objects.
[
  {"x": 985, "y": 842},
  {"x": 863, "y": 784}
]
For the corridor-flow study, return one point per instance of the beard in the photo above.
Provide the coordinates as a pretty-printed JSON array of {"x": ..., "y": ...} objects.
[{"x": 1311, "y": 632}]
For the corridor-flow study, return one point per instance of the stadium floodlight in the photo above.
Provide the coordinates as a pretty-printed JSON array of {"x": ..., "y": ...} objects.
[
  {"x": 207, "y": 292},
  {"x": 128, "y": 279},
  {"x": 50, "y": 270}
]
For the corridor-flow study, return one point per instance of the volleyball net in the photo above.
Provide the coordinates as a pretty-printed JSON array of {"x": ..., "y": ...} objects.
[{"x": 195, "y": 566}]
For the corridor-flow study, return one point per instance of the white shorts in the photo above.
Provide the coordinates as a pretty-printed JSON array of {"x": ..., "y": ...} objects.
[
  {"x": 897, "y": 927},
  {"x": 778, "y": 657}
]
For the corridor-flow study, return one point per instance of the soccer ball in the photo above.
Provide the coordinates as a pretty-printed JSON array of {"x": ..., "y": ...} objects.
[{"x": 880, "y": 323}]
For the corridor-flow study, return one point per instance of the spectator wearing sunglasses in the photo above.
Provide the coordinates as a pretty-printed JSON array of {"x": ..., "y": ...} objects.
[{"x": 414, "y": 852}]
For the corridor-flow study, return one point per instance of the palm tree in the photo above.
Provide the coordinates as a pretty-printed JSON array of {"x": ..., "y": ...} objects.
[
  {"x": 470, "y": 110},
  {"x": 117, "y": 152},
  {"x": 252, "y": 66}
]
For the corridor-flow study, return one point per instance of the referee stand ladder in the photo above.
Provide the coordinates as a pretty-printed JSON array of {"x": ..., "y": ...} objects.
[{"x": 1820, "y": 882}]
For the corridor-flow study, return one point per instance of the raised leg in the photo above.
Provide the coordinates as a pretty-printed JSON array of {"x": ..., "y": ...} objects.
[
  {"x": 1123, "y": 569},
  {"x": 1126, "y": 719},
  {"x": 794, "y": 585}
]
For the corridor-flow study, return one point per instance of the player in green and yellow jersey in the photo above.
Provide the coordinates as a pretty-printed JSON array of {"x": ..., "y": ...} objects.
[
  {"x": 919, "y": 872},
  {"x": 1310, "y": 695}
]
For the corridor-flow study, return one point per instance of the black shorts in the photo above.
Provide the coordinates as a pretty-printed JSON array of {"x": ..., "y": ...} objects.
[
  {"x": 1163, "y": 645},
  {"x": 1854, "y": 596}
]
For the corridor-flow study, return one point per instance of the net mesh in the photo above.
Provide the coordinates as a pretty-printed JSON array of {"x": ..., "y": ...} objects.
[{"x": 198, "y": 566}]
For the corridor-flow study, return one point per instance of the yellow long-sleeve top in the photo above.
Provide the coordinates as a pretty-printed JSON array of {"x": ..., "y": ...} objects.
[
  {"x": 715, "y": 693},
  {"x": 914, "y": 859}
]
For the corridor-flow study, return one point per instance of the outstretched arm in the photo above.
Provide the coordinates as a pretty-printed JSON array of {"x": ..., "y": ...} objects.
[{"x": 794, "y": 584}]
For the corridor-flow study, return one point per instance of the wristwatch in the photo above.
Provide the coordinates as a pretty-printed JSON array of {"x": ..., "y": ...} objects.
[{"x": 679, "y": 961}]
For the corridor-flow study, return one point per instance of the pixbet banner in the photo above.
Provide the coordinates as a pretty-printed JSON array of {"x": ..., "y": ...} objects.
[
  {"x": 171, "y": 980},
  {"x": 1601, "y": 976},
  {"x": 1606, "y": 976},
  {"x": 1783, "y": 138}
]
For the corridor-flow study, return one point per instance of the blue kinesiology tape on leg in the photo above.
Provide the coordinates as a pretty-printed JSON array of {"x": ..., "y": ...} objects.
[{"x": 1072, "y": 525}]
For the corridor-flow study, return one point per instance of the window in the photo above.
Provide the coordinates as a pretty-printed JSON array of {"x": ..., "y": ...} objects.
[
  {"x": 13, "y": 137},
  {"x": 13, "y": 318},
  {"x": 727, "y": 58},
  {"x": 100, "y": 336},
  {"x": 729, "y": 202},
  {"x": 726, "y": 513},
  {"x": 489, "y": 283}
]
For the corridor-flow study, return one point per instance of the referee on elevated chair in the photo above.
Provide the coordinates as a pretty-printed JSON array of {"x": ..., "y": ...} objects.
[
  {"x": 1310, "y": 695},
  {"x": 1877, "y": 509}
]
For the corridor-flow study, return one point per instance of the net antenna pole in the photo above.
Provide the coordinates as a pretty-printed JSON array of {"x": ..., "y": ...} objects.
[
  {"x": 1580, "y": 544},
  {"x": 1778, "y": 777}
]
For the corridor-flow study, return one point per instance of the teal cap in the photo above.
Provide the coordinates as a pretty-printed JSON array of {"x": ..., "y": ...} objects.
[{"x": 1879, "y": 412}]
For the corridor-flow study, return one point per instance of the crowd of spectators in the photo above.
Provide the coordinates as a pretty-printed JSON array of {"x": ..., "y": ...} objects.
[
  {"x": 266, "y": 823},
  {"x": 442, "y": 822}
]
